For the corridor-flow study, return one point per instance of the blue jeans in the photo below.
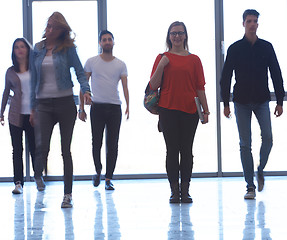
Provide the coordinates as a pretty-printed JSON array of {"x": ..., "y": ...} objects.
[{"x": 243, "y": 113}]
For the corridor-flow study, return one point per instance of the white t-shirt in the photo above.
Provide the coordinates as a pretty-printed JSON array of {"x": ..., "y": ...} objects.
[
  {"x": 25, "y": 80},
  {"x": 105, "y": 78}
]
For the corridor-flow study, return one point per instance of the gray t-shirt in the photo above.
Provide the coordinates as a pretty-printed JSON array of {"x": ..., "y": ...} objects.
[{"x": 49, "y": 87}]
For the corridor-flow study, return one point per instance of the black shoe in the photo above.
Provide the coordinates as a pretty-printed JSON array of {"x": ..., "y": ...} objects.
[
  {"x": 174, "y": 198},
  {"x": 184, "y": 193},
  {"x": 109, "y": 185},
  {"x": 260, "y": 180},
  {"x": 250, "y": 193},
  {"x": 40, "y": 184},
  {"x": 97, "y": 179},
  {"x": 186, "y": 198}
]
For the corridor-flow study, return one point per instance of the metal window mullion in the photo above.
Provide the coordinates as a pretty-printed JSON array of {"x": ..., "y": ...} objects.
[{"x": 219, "y": 55}]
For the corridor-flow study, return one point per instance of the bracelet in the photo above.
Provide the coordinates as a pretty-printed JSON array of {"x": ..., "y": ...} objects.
[
  {"x": 206, "y": 113},
  {"x": 81, "y": 110}
]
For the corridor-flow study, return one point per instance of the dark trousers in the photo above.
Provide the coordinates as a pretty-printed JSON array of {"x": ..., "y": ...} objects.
[
  {"x": 49, "y": 112},
  {"x": 178, "y": 130},
  {"x": 105, "y": 116},
  {"x": 17, "y": 144}
]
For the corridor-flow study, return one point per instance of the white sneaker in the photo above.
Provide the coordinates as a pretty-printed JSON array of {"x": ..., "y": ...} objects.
[
  {"x": 67, "y": 201},
  {"x": 18, "y": 188},
  {"x": 250, "y": 193}
]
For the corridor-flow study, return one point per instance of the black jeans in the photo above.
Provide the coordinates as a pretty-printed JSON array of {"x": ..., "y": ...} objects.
[
  {"x": 17, "y": 144},
  {"x": 49, "y": 112},
  {"x": 178, "y": 130},
  {"x": 105, "y": 116}
]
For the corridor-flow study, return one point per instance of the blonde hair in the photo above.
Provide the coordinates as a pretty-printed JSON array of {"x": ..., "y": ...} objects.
[{"x": 65, "y": 40}]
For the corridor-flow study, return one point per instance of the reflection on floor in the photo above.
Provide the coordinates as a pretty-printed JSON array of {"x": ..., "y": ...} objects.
[{"x": 139, "y": 209}]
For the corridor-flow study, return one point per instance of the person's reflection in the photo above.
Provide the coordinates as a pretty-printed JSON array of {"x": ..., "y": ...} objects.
[
  {"x": 19, "y": 221},
  {"x": 180, "y": 226},
  {"x": 69, "y": 226},
  {"x": 265, "y": 232},
  {"x": 113, "y": 225},
  {"x": 98, "y": 227},
  {"x": 38, "y": 217},
  {"x": 249, "y": 227}
]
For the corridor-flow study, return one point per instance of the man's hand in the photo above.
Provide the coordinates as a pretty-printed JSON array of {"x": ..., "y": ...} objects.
[
  {"x": 87, "y": 98},
  {"x": 127, "y": 113},
  {"x": 227, "y": 112},
  {"x": 278, "y": 111}
]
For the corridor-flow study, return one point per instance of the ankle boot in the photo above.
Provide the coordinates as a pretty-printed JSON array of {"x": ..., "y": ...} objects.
[
  {"x": 185, "y": 197},
  {"x": 174, "y": 198}
]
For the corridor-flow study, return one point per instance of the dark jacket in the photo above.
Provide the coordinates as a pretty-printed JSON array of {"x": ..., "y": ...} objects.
[{"x": 250, "y": 64}]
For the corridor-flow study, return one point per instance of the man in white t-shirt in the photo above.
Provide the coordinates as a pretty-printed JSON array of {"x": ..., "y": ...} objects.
[{"x": 105, "y": 71}]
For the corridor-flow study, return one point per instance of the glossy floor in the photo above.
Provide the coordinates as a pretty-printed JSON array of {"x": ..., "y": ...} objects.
[{"x": 139, "y": 209}]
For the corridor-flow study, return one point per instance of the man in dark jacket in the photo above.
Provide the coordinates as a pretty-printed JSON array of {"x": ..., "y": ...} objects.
[{"x": 250, "y": 58}]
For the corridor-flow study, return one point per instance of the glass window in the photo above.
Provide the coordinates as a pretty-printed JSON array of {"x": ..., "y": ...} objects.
[
  {"x": 269, "y": 29},
  {"x": 139, "y": 37},
  {"x": 82, "y": 18},
  {"x": 11, "y": 14}
]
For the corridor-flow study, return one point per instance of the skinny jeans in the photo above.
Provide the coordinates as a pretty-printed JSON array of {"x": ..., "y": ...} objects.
[
  {"x": 49, "y": 112},
  {"x": 178, "y": 130},
  {"x": 243, "y": 113},
  {"x": 16, "y": 134},
  {"x": 105, "y": 117}
]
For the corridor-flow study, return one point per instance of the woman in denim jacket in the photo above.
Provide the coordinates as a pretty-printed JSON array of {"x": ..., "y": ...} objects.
[
  {"x": 18, "y": 81},
  {"x": 52, "y": 97}
]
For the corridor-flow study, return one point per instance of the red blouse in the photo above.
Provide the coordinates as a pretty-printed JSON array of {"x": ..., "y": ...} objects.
[{"x": 183, "y": 76}]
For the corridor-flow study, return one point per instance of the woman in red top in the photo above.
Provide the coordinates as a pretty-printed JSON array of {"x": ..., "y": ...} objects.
[{"x": 183, "y": 80}]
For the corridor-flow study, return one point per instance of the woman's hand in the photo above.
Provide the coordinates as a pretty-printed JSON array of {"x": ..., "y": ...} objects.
[
  {"x": 82, "y": 115},
  {"x": 205, "y": 118},
  {"x": 32, "y": 118},
  {"x": 163, "y": 61}
]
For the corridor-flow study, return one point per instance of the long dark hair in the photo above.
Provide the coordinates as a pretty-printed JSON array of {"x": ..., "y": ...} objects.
[
  {"x": 168, "y": 42},
  {"x": 14, "y": 58}
]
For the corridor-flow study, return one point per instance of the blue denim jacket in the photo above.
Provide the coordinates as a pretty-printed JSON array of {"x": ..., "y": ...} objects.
[{"x": 63, "y": 61}]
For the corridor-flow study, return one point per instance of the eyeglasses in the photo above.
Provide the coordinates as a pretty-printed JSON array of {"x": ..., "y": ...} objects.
[{"x": 177, "y": 33}]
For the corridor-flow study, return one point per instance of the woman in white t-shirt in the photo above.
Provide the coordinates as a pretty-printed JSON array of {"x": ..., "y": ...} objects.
[{"x": 18, "y": 80}]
